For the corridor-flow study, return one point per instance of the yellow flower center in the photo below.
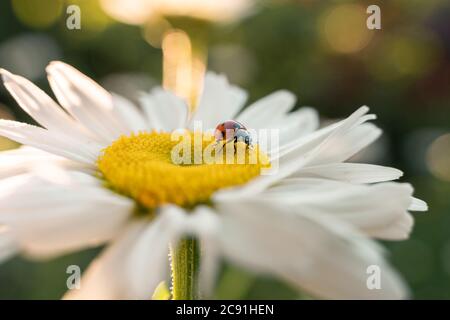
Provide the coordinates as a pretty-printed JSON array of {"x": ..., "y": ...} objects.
[{"x": 141, "y": 166}]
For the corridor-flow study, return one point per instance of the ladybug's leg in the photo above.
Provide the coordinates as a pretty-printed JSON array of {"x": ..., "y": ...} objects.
[
  {"x": 228, "y": 141},
  {"x": 248, "y": 142}
]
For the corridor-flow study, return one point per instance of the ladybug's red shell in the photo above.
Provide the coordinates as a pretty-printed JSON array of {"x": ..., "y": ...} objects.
[{"x": 228, "y": 127}]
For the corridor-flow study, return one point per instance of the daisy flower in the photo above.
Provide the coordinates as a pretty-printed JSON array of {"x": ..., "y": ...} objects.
[
  {"x": 97, "y": 171},
  {"x": 139, "y": 11}
]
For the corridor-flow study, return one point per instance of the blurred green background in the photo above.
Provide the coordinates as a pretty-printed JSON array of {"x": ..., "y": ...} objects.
[{"x": 322, "y": 52}]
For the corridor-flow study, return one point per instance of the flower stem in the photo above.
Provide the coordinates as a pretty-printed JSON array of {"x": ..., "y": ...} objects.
[
  {"x": 184, "y": 263},
  {"x": 184, "y": 64}
]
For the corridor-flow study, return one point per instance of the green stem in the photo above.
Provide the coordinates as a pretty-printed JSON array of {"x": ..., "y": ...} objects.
[{"x": 184, "y": 263}]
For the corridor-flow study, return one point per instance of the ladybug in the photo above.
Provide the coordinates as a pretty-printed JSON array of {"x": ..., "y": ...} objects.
[{"x": 232, "y": 130}]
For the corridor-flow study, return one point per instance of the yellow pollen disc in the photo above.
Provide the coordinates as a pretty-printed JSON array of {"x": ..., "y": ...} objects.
[{"x": 141, "y": 166}]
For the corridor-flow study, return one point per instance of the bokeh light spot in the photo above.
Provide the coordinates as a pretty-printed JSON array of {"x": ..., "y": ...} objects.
[
  {"x": 130, "y": 11},
  {"x": 154, "y": 31},
  {"x": 93, "y": 18},
  {"x": 438, "y": 157},
  {"x": 344, "y": 29},
  {"x": 38, "y": 13}
]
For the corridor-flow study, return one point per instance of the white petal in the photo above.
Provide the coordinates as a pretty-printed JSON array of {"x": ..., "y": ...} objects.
[
  {"x": 165, "y": 111},
  {"x": 219, "y": 102},
  {"x": 399, "y": 229},
  {"x": 205, "y": 224},
  {"x": 147, "y": 263},
  {"x": 238, "y": 98},
  {"x": 333, "y": 132},
  {"x": 104, "y": 279},
  {"x": 25, "y": 159},
  {"x": 317, "y": 253},
  {"x": 268, "y": 111},
  {"x": 130, "y": 115},
  {"x": 418, "y": 205},
  {"x": 86, "y": 101},
  {"x": 342, "y": 147},
  {"x": 151, "y": 249},
  {"x": 350, "y": 172},
  {"x": 48, "y": 219},
  {"x": 367, "y": 207},
  {"x": 49, "y": 141},
  {"x": 311, "y": 150},
  {"x": 42, "y": 108},
  {"x": 132, "y": 267},
  {"x": 308, "y": 141},
  {"x": 298, "y": 124},
  {"x": 335, "y": 145},
  {"x": 290, "y": 127}
]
